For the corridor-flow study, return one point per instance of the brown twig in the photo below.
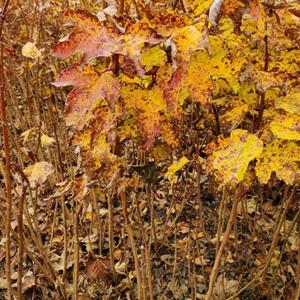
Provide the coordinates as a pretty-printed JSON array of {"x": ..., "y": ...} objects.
[
  {"x": 6, "y": 143},
  {"x": 21, "y": 242},
  {"x": 262, "y": 271},
  {"x": 237, "y": 198},
  {"x": 132, "y": 245},
  {"x": 111, "y": 232}
]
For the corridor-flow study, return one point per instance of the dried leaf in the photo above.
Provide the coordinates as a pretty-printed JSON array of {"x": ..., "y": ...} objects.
[
  {"x": 100, "y": 269},
  {"x": 38, "y": 173},
  {"x": 214, "y": 11},
  {"x": 29, "y": 50}
]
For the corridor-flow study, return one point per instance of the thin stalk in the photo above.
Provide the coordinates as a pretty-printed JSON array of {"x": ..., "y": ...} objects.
[
  {"x": 21, "y": 242},
  {"x": 237, "y": 198},
  {"x": 132, "y": 245},
  {"x": 111, "y": 233},
  {"x": 6, "y": 145},
  {"x": 260, "y": 274}
]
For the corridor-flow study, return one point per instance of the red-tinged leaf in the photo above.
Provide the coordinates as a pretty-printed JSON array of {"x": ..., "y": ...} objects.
[
  {"x": 88, "y": 38},
  {"x": 173, "y": 87},
  {"x": 88, "y": 88}
]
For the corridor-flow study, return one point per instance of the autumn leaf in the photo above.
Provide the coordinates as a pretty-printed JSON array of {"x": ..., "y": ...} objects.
[
  {"x": 287, "y": 128},
  {"x": 290, "y": 103},
  {"x": 38, "y": 173},
  {"x": 148, "y": 105},
  {"x": 230, "y": 161},
  {"x": 88, "y": 38},
  {"x": 153, "y": 56},
  {"x": 174, "y": 168},
  {"x": 235, "y": 116},
  {"x": 188, "y": 39},
  {"x": 91, "y": 38},
  {"x": 30, "y": 50},
  {"x": 46, "y": 140},
  {"x": 89, "y": 87},
  {"x": 281, "y": 157}
]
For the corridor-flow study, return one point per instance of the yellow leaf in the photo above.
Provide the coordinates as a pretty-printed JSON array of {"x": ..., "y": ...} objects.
[
  {"x": 29, "y": 50},
  {"x": 143, "y": 82},
  {"x": 175, "y": 167},
  {"x": 47, "y": 140},
  {"x": 280, "y": 157},
  {"x": 287, "y": 128},
  {"x": 230, "y": 161},
  {"x": 290, "y": 103},
  {"x": 235, "y": 116},
  {"x": 82, "y": 139},
  {"x": 38, "y": 173},
  {"x": 189, "y": 39},
  {"x": 154, "y": 56},
  {"x": 101, "y": 151},
  {"x": 25, "y": 135}
]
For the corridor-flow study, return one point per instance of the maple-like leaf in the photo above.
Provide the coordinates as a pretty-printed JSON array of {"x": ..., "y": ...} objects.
[
  {"x": 281, "y": 157},
  {"x": 89, "y": 37},
  {"x": 189, "y": 39},
  {"x": 231, "y": 160},
  {"x": 89, "y": 87},
  {"x": 38, "y": 173},
  {"x": 148, "y": 104},
  {"x": 92, "y": 39}
]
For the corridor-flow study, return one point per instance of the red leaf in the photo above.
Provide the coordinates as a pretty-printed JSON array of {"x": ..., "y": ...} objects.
[
  {"x": 88, "y": 38},
  {"x": 88, "y": 87}
]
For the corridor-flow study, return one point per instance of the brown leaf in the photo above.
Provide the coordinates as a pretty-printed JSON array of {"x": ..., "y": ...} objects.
[{"x": 101, "y": 269}]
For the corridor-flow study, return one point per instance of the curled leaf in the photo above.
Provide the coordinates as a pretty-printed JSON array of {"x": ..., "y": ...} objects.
[{"x": 214, "y": 11}]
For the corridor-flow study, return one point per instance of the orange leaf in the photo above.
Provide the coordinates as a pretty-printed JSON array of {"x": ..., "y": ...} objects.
[
  {"x": 88, "y": 38},
  {"x": 88, "y": 87}
]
